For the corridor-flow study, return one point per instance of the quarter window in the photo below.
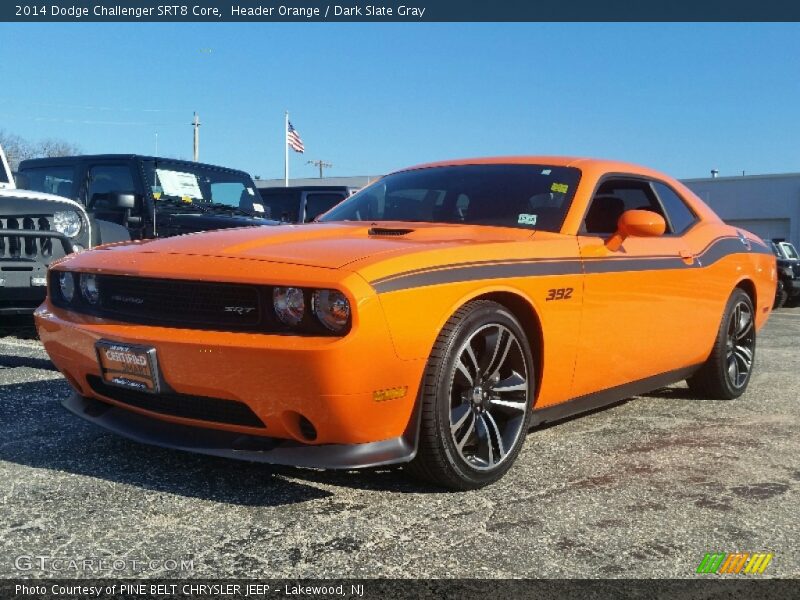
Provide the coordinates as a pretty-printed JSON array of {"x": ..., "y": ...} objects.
[
  {"x": 50, "y": 180},
  {"x": 679, "y": 215}
]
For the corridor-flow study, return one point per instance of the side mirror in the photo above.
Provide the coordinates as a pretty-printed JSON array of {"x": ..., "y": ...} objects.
[
  {"x": 637, "y": 223},
  {"x": 122, "y": 201}
]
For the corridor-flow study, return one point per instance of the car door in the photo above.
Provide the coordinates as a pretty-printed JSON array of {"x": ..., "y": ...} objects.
[{"x": 639, "y": 300}]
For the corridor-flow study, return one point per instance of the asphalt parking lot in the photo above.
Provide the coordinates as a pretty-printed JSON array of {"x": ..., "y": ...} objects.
[{"x": 641, "y": 489}]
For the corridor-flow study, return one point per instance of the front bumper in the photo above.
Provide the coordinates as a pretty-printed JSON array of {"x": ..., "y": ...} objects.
[
  {"x": 330, "y": 382},
  {"x": 238, "y": 446}
]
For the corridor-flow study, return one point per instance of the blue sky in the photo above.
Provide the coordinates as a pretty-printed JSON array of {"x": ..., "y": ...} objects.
[{"x": 683, "y": 98}]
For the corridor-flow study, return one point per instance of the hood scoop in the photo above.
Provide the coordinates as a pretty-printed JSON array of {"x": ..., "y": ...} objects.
[{"x": 388, "y": 231}]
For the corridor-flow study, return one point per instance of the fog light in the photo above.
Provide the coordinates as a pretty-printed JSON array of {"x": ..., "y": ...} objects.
[
  {"x": 289, "y": 304},
  {"x": 89, "y": 288},
  {"x": 332, "y": 309},
  {"x": 66, "y": 283}
]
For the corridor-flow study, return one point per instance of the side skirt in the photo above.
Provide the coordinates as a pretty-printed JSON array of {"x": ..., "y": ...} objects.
[{"x": 602, "y": 398}]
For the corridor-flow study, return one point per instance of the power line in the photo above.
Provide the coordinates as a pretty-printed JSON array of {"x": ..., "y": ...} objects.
[{"x": 321, "y": 164}]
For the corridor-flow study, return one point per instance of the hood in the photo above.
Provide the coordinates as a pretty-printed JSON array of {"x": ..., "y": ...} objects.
[
  {"x": 26, "y": 202},
  {"x": 328, "y": 245}
]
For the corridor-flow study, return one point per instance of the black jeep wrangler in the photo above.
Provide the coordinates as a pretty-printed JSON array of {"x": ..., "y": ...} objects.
[
  {"x": 788, "y": 290},
  {"x": 150, "y": 196}
]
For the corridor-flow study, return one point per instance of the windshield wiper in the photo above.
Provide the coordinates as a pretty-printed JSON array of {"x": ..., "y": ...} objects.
[{"x": 205, "y": 207}]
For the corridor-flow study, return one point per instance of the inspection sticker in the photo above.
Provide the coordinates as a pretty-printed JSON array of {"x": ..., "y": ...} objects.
[
  {"x": 525, "y": 219},
  {"x": 559, "y": 187}
]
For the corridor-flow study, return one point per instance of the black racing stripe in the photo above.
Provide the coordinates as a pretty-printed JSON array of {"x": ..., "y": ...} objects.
[
  {"x": 715, "y": 250},
  {"x": 471, "y": 264},
  {"x": 626, "y": 265},
  {"x": 495, "y": 263},
  {"x": 494, "y": 271}
]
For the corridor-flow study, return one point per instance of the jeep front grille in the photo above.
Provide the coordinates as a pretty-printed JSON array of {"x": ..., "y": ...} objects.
[{"x": 17, "y": 247}]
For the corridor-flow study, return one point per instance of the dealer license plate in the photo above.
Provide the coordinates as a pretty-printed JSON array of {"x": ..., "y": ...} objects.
[{"x": 128, "y": 366}]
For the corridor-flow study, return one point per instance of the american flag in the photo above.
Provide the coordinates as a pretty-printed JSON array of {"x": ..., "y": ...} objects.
[{"x": 293, "y": 139}]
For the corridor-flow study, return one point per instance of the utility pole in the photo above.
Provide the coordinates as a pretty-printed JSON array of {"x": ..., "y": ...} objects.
[
  {"x": 196, "y": 125},
  {"x": 321, "y": 164}
]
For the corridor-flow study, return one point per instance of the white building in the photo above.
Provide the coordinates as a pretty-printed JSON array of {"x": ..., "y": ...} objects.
[{"x": 767, "y": 205}]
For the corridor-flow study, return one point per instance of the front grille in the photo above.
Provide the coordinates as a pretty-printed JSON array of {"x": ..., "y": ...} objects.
[
  {"x": 174, "y": 302},
  {"x": 16, "y": 247},
  {"x": 188, "y": 304},
  {"x": 201, "y": 408}
]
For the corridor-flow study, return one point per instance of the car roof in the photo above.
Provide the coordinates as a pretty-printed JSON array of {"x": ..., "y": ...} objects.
[
  {"x": 583, "y": 163},
  {"x": 55, "y": 160}
]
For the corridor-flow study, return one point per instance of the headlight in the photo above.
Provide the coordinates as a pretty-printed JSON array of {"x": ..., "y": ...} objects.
[
  {"x": 66, "y": 284},
  {"x": 67, "y": 222},
  {"x": 290, "y": 305},
  {"x": 331, "y": 308},
  {"x": 89, "y": 289}
]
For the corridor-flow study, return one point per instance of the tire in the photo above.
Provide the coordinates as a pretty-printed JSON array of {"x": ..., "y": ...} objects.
[
  {"x": 781, "y": 295},
  {"x": 475, "y": 399},
  {"x": 726, "y": 373}
]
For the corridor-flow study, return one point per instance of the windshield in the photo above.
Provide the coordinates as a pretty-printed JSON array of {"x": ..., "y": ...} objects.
[
  {"x": 197, "y": 184},
  {"x": 56, "y": 180},
  {"x": 524, "y": 196},
  {"x": 788, "y": 250}
]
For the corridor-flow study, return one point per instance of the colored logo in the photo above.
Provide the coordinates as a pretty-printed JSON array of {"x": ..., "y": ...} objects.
[{"x": 735, "y": 562}]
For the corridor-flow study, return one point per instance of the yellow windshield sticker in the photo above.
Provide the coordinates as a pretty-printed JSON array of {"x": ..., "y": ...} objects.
[
  {"x": 559, "y": 187},
  {"x": 187, "y": 199}
]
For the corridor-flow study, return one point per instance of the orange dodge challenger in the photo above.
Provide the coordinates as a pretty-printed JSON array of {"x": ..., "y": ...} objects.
[{"x": 430, "y": 319}]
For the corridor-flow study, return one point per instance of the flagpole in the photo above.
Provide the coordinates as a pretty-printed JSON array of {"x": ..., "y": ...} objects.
[{"x": 286, "y": 151}]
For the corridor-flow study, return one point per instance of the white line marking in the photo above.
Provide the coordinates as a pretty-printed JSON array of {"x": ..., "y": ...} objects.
[{"x": 21, "y": 344}]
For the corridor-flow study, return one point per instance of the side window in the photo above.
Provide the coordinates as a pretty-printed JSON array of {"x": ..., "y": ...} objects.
[
  {"x": 105, "y": 179},
  {"x": 679, "y": 216},
  {"x": 318, "y": 203},
  {"x": 614, "y": 197}
]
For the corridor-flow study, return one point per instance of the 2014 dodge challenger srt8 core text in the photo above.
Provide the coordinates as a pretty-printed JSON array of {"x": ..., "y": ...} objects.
[{"x": 430, "y": 319}]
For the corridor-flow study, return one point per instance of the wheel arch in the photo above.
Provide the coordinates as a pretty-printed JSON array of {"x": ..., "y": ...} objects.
[
  {"x": 748, "y": 286},
  {"x": 524, "y": 310}
]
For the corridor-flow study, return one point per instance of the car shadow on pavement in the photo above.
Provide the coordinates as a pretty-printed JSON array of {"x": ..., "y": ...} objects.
[
  {"x": 30, "y": 362},
  {"x": 673, "y": 393},
  {"x": 36, "y": 431}
]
